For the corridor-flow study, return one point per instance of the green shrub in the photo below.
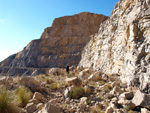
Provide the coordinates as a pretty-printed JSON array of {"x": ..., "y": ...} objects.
[
  {"x": 77, "y": 92},
  {"x": 49, "y": 81},
  {"x": 23, "y": 96},
  {"x": 54, "y": 86},
  {"x": 7, "y": 104}
]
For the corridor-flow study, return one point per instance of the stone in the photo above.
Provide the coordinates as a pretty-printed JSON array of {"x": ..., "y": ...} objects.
[
  {"x": 40, "y": 106},
  {"x": 119, "y": 111},
  {"x": 74, "y": 81},
  {"x": 141, "y": 99},
  {"x": 84, "y": 74},
  {"x": 115, "y": 84},
  {"x": 83, "y": 100},
  {"x": 50, "y": 108},
  {"x": 82, "y": 107},
  {"x": 34, "y": 101},
  {"x": 30, "y": 107},
  {"x": 116, "y": 90},
  {"x": 38, "y": 96},
  {"x": 94, "y": 77},
  {"x": 89, "y": 89},
  {"x": 127, "y": 95},
  {"x": 31, "y": 83},
  {"x": 55, "y": 71},
  {"x": 66, "y": 92},
  {"x": 129, "y": 103},
  {"x": 109, "y": 110},
  {"x": 143, "y": 110}
]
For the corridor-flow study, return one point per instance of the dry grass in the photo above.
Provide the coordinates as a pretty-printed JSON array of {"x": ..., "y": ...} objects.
[
  {"x": 7, "y": 104},
  {"x": 77, "y": 93},
  {"x": 23, "y": 96},
  {"x": 54, "y": 86}
]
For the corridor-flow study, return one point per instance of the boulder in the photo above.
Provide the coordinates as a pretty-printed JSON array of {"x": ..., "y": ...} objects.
[
  {"x": 116, "y": 91},
  {"x": 141, "y": 99},
  {"x": 143, "y": 110},
  {"x": 127, "y": 95},
  {"x": 31, "y": 83},
  {"x": 94, "y": 77},
  {"x": 40, "y": 106},
  {"x": 30, "y": 107},
  {"x": 38, "y": 96},
  {"x": 124, "y": 102},
  {"x": 66, "y": 92},
  {"x": 34, "y": 101},
  {"x": 84, "y": 74},
  {"x": 74, "y": 81},
  {"x": 55, "y": 71},
  {"x": 109, "y": 110},
  {"x": 50, "y": 108},
  {"x": 83, "y": 100},
  {"x": 89, "y": 89}
]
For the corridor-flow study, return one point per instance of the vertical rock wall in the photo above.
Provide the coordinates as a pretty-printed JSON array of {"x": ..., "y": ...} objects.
[{"x": 122, "y": 45}]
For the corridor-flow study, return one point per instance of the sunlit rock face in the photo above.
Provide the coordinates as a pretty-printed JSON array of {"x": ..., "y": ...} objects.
[
  {"x": 60, "y": 44},
  {"x": 122, "y": 45}
]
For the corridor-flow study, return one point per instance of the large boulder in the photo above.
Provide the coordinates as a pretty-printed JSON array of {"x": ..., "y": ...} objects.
[
  {"x": 31, "y": 83},
  {"x": 141, "y": 99},
  {"x": 50, "y": 108}
]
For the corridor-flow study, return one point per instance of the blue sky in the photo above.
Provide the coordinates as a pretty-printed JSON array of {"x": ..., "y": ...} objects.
[{"x": 24, "y": 20}]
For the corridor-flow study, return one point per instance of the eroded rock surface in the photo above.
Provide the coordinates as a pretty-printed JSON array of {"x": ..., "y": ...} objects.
[
  {"x": 60, "y": 44},
  {"x": 122, "y": 45}
]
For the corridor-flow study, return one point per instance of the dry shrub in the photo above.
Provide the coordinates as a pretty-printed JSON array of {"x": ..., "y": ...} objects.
[
  {"x": 77, "y": 93},
  {"x": 23, "y": 96},
  {"x": 7, "y": 104}
]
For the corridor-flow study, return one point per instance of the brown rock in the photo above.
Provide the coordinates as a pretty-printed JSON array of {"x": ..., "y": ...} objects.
[
  {"x": 31, "y": 107},
  {"x": 109, "y": 110},
  {"x": 127, "y": 95},
  {"x": 49, "y": 108},
  {"x": 38, "y": 96},
  {"x": 74, "y": 81},
  {"x": 60, "y": 44},
  {"x": 31, "y": 83}
]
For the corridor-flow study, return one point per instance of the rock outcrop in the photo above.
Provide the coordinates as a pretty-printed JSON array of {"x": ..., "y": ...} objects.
[
  {"x": 122, "y": 45},
  {"x": 60, "y": 44}
]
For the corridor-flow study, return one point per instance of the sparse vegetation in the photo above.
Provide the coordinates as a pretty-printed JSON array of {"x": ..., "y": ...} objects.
[
  {"x": 77, "y": 92},
  {"x": 49, "y": 81},
  {"x": 54, "y": 86},
  {"x": 7, "y": 104},
  {"x": 23, "y": 96}
]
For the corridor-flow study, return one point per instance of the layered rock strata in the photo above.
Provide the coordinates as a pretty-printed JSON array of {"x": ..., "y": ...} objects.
[
  {"x": 122, "y": 45},
  {"x": 60, "y": 44}
]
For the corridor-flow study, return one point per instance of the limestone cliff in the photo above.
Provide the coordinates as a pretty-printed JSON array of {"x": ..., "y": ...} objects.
[
  {"x": 60, "y": 44},
  {"x": 122, "y": 45}
]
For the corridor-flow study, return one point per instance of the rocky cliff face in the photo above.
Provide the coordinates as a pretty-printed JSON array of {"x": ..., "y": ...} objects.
[
  {"x": 59, "y": 44},
  {"x": 122, "y": 45}
]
